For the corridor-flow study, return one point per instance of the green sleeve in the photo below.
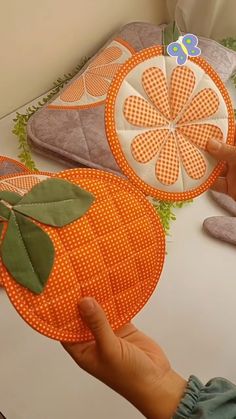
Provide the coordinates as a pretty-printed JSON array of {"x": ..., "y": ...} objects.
[{"x": 215, "y": 400}]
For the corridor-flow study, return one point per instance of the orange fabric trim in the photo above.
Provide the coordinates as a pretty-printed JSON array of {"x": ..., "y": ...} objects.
[
  {"x": 92, "y": 105},
  {"x": 115, "y": 144}
]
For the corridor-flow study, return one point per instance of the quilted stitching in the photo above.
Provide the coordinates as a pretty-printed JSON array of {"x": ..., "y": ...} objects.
[{"x": 116, "y": 259}]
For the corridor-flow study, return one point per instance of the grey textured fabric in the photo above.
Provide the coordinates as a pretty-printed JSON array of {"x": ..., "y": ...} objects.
[
  {"x": 77, "y": 136},
  {"x": 222, "y": 227},
  {"x": 224, "y": 201}
]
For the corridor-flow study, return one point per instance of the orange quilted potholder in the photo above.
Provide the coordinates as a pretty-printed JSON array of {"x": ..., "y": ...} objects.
[
  {"x": 114, "y": 251},
  {"x": 159, "y": 118}
]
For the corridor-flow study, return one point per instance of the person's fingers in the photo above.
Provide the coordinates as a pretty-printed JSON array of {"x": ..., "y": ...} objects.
[
  {"x": 95, "y": 318},
  {"x": 220, "y": 185},
  {"x": 221, "y": 151}
]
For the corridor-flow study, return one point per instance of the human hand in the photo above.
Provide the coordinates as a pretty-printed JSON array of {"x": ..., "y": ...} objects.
[
  {"x": 129, "y": 362},
  {"x": 227, "y": 182}
]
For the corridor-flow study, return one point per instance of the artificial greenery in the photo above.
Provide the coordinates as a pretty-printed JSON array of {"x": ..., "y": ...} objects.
[{"x": 164, "y": 209}]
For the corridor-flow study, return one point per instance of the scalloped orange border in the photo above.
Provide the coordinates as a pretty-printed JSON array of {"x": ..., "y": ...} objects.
[
  {"x": 53, "y": 332},
  {"x": 115, "y": 143},
  {"x": 101, "y": 102}
]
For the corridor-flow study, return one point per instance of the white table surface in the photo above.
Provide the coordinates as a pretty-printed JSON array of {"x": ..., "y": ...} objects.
[{"x": 191, "y": 314}]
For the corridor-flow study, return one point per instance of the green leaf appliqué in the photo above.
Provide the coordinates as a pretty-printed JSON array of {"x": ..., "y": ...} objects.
[
  {"x": 55, "y": 202},
  {"x": 10, "y": 197},
  {"x": 27, "y": 253}
]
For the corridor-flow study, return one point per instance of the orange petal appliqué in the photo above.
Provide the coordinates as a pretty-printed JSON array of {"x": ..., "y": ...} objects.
[
  {"x": 155, "y": 86},
  {"x": 74, "y": 92},
  {"x": 200, "y": 134},
  {"x": 192, "y": 159},
  {"x": 96, "y": 85},
  {"x": 203, "y": 105},
  {"x": 107, "y": 56},
  {"x": 181, "y": 86},
  {"x": 140, "y": 113},
  {"x": 106, "y": 71},
  {"x": 167, "y": 166},
  {"x": 145, "y": 146}
]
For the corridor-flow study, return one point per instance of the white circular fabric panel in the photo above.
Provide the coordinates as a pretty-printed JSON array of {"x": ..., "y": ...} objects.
[{"x": 159, "y": 118}]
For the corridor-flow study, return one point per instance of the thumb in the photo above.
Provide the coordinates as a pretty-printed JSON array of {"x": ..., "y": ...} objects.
[
  {"x": 221, "y": 151},
  {"x": 95, "y": 318}
]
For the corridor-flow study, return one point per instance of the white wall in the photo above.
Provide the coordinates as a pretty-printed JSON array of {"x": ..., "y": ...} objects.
[{"x": 41, "y": 40}]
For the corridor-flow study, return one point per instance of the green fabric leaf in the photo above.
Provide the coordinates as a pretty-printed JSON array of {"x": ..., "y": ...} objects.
[
  {"x": 55, "y": 202},
  {"x": 4, "y": 212},
  {"x": 171, "y": 33},
  {"x": 10, "y": 197},
  {"x": 27, "y": 253}
]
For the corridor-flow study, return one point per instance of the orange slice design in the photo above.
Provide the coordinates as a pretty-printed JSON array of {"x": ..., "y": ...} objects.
[
  {"x": 192, "y": 122},
  {"x": 145, "y": 146},
  {"x": 91, "y": 87}
]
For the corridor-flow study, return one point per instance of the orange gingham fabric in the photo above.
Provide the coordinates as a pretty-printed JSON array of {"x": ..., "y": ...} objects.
[
  {"x": 182, "y": 84},
  {"x": 193, "y": 160},
  {"x": 200, "y": 134},
  {"x": 167, "y": 166},
  {"x": 141, "y": 114},
  {"x": 145, "y": 146},
  {"x": 114, "y": 253},
  {"x": 203, "y": 105},
  {"x": 154, "y": 84}
]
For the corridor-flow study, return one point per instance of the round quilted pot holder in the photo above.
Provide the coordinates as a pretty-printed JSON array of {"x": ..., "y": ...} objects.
[
  {"x": 159, "y": 118},
  {"x": 114, "y": 252}
]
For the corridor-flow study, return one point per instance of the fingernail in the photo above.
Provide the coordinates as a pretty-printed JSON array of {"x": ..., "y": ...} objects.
[
  {"x": 86, "y": 306},
  {"x": 213, "y": 145}
]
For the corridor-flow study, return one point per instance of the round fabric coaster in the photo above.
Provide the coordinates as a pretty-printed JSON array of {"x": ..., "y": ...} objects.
[
  {"x": 114, "y": 253},
  {"x": 159, "y": 118}
]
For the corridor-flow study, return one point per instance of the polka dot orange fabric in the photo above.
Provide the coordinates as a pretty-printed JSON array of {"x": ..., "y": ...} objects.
[
  {"x": 114, "y": 253},
  {"x": 159, "y": 117}
]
